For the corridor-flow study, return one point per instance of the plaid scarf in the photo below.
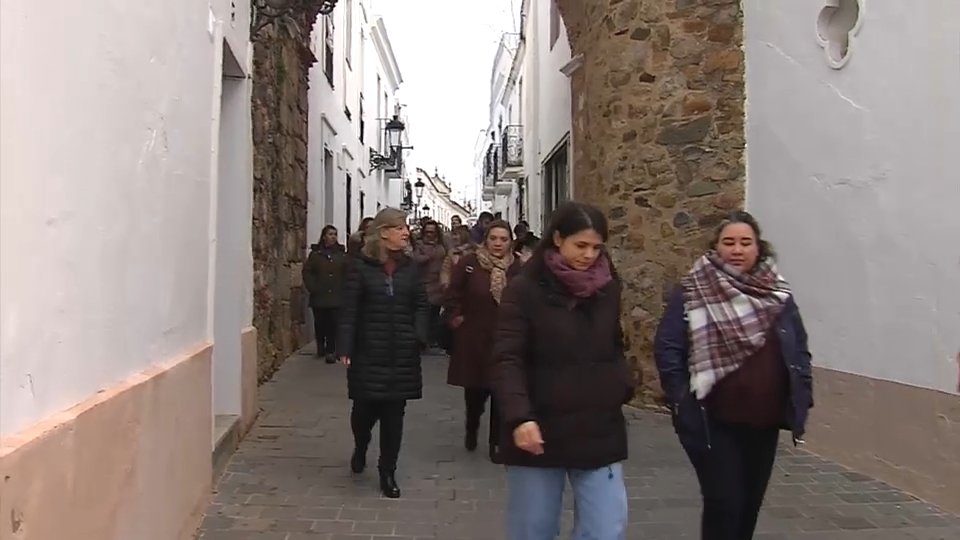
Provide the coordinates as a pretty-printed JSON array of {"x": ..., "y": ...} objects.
[{"x": 729, "y": 314}]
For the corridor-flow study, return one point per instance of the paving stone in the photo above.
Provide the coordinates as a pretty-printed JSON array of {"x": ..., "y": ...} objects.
[{"x": 290, "y": 479}]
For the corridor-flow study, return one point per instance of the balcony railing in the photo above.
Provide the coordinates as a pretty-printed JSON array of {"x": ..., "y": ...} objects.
[
  {"x": 491, "y": 165},
  {"x": 511, "y": 147}
]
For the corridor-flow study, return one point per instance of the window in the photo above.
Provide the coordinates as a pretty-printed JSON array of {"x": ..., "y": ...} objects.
[
  {"x": 555, "y": 23},
  {"x": 349, "y": 186},
  {"x": 348, "y": 34},
  {"x": 328, "y": 48},
  {"x": 379, "y": 110},
  {"x": 363, "y": 202},
  {"x": 556, "y": 181},
  {"x": 363, "y": 124}
]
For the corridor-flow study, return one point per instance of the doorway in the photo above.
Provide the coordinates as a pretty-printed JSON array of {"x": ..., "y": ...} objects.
[{"x": 231, "y": 192}]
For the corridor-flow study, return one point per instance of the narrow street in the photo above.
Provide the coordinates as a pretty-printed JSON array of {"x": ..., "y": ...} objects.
[{"x": 289, "y": 480}]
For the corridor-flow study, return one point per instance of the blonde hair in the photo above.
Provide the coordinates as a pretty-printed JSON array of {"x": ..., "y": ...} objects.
[{"x": 373, "y": 240}]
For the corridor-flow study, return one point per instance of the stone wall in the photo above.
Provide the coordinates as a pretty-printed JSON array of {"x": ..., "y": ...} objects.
[
  {"x": 658, "y": 140},
  {"x": 282, "y": 61}
]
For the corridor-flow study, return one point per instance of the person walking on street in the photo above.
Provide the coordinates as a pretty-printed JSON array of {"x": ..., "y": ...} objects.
[
  {"x": 480, "y": 227},
  {"x": 428, "y": 253},
  {"x": 461, "y": 244},
  {"x": 382, "y": 331},
  {"x": 323, "y": 275},
  {"x": 560, "y": 379},
  {"x": 476, "y": 288},
  {"x": 734, "y": 364},
  {"x": 355, "y": 242}
]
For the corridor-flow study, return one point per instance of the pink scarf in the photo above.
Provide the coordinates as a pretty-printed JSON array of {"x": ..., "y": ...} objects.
[{"x": 580, "y": 283}]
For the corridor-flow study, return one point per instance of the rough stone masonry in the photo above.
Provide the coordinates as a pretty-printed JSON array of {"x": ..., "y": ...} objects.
[
  {"x": 658, "y": 140},
  {"x": 282, "y": 60}
]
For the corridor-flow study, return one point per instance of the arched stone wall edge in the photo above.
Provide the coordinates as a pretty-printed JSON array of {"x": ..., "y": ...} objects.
[{"x": 658, "y": 141}]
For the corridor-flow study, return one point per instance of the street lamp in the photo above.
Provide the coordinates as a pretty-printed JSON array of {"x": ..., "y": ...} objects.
[
  {"x": 418, "y": 191},
  {"x": 394, "y": 129},
  {"x": 394, "y": 133},
  {"x": 426, "y": 210}
]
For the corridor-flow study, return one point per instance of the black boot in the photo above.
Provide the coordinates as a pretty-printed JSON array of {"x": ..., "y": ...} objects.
[
  {"x": 388, "y": 484},
  {"x": 470, "y": 441},
  {"x": 358, "y": 461},
  {"x": 494, "y": 453}
]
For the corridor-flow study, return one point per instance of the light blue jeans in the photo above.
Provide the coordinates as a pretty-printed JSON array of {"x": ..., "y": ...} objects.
[{"x": 536, "y": 501}]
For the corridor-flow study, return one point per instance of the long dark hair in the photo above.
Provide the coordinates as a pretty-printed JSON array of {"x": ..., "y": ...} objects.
[
  {"x": 764, "y": 248},
  {"x": 567, "y": 220}
]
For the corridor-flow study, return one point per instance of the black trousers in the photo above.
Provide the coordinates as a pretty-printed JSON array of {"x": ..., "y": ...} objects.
[
  {"x": 434, "y": 328},
  {"x": 475, "y": 400},
  {"x": 325, "y": 329},
  {"x": 733, "y": 474},
  {"x": 365, "y": 414}
]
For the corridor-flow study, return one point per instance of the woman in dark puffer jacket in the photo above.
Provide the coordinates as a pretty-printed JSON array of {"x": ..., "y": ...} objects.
[
  {"x": 560, "y": 379},
  {"x": 383, "y": 328}
]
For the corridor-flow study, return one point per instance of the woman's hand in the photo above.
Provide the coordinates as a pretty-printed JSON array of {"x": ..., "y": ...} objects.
[
  {"x": 456, "y": 321},
  {"x": 345, "y": 360},
  {"x": 527, "y": 437}
]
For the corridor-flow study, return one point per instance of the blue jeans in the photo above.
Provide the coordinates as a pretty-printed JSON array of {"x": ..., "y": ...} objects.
[{"x": 536, "y": 501}]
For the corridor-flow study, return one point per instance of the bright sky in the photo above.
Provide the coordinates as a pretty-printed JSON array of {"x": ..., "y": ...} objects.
[{"x": 445, "y": 51}]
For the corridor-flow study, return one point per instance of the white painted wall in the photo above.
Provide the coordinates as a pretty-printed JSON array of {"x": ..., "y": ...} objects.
[
  {"x": 382, "y": 80},
  {"x": 854, "y": 174},
  {"x": 330, "y": 128},
  {"x": 231, "y": 210},
  {"x": 371, "y": 58},
  {"x": 105, "y": 193},
  {"x": 544, "y": 92}
]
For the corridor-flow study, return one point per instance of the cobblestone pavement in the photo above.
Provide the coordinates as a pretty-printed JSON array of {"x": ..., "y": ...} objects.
[{"x": 289, "y": 480}]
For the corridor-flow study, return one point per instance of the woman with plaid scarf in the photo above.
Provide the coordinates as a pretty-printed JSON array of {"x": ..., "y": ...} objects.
[{"x": 732, "y": 354}]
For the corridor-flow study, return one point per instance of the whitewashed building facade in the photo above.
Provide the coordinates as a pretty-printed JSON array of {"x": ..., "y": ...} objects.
[
  {"x": 436, "y": 200},
  {"x": 525, "y": 165},
  {"x": 853, "y": 173},
  {"x": 352, "y": 97},
  {"x": 125, "y": 263}
]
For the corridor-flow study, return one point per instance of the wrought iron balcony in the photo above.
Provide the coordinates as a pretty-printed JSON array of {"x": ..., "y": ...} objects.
[
  {"x": 511, "y": 147},
  {"x": 491, "y": 165}
]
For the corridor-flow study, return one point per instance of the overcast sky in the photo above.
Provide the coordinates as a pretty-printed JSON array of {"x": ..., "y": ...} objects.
[{"x": 445, "y": 52}]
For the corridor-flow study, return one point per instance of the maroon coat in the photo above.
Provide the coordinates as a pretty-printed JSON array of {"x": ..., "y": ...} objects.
[
  {"x": 559, "y": 361},
  {"x": 469, "y": 295}
]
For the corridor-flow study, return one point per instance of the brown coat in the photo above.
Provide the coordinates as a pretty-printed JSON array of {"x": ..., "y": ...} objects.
[
  {"x": 559, "y": 361},
  {"x": 469, "y": 296},
  {"x": 430, "y": 259}
]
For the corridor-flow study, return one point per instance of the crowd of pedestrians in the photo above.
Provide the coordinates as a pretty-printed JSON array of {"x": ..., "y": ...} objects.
[{"x": 532, "y": 326}]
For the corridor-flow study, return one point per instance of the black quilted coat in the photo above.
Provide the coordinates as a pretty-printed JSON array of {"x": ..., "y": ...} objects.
[{"x": 382, "y": 329}]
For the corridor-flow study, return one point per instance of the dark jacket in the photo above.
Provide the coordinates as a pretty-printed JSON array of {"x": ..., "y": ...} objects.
[
  {"x": 469, "y": 296},
  {"x": 383, "y": 333},
  {"x": 672, "y": 353},
  {"x": 323, "y": 275},
  {"x": 559, "y": 361}
]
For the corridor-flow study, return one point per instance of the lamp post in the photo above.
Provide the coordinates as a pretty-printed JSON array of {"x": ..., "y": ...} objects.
[
  {"x": 425, "y": 210},
  {"x": 418, "y": 192},
  {"x": 393, "y": 131}
]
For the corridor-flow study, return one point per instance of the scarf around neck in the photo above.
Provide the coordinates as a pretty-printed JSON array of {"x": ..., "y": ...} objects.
[
  {"x": 580, "y": 283},
  {"x": 497, "y": 266},
  {"x": 729, "y": 314}
]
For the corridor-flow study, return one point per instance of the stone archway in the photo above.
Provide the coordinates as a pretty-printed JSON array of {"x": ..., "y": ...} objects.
[{"x": 658, "y": 140}]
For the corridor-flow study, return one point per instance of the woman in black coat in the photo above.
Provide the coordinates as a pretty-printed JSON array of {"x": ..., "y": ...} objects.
[{"x": 383, "y": 328}]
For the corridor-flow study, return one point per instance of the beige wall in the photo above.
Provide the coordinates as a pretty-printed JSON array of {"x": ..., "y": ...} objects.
[
  {"x": 904, "y": 435},
  {"x": 133, "y": 462}
]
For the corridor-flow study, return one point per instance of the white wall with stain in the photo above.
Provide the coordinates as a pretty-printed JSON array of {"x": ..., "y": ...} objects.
[
  {"x": 853, "y": 170},
  {"x": 108, "y": 150}
]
